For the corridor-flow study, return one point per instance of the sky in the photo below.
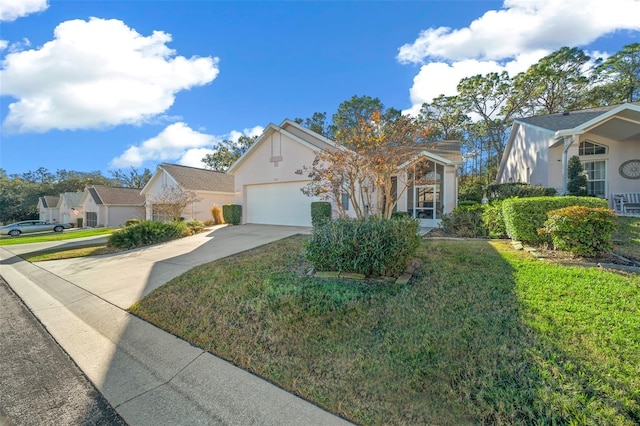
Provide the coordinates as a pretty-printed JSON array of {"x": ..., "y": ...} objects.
[{"x": 105, "y": 85}]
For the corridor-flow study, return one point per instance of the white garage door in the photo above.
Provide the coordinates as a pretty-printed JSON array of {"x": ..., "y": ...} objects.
[{"x": 279, "y": 204}]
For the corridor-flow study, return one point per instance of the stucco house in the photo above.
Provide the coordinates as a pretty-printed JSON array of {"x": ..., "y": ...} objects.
[
  {"x": 69, "y": 207},
  {"x": 206, "y": 188},
  {"x": 268, "y": 183},
  {"x": 48, "y": 208},
  {"x": 106, "y": 206},
  {"x": 606, "y": 139}
]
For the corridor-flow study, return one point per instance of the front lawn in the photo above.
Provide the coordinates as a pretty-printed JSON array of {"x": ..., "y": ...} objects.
[
  {"x": 6, "y": 240},
  {"x": 482, "y": 334}
]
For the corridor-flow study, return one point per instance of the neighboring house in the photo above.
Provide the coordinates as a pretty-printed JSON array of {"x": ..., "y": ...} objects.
[
  {"x": 206, "y": 187},
  {"x": 69, "y": 207},
  {"x": 606, "y": 139},
  {"x": 268, "y": 186},
  {"x": 48, "y": 208},
  {"x": 106, "y": 206}
]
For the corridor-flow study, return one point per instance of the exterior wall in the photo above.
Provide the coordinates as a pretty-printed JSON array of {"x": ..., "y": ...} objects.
[
  {"x": 89, "y": 205},
  {"x": 66, "y": 215},
  {"x": 275, "y": 160},
  {"x": 113, "y": 216},
  {"x": 201, "y": 209},
  {"x": 529, "y": 158}
]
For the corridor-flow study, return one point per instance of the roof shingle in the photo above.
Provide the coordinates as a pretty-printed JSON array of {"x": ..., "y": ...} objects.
[
  {"x": 194, "y": 179},
  {"x": 111, "y": 195}
]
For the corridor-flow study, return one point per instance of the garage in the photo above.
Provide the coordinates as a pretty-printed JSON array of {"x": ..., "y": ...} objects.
[{"x": 278, "y": 204}]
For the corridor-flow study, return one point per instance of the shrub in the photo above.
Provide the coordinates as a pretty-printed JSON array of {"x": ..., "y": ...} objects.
[
  {"x": 145, "y": 233},
  {"x": 502, "y": 191},
  {"x": 320, "y": 212},
  {"x": 494, "y": 220},
  {"x": 193, "y": 226},
  {"x": 216, "y": 214},
  {"x": 576, "y": 177},
  {"x": 524, "y": 216},
  {"x": 372, "y": 247},
  {"x": 232, "y": 213},
  {"x": 583, "y": 231},
  {"x": 465, "y": 222},
  {"x": 399, "y": 215},
  {"x": 130, "y": 222}
]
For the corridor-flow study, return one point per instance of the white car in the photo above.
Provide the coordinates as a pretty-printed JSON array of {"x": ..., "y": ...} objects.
[{"x": 27, "y": 226}]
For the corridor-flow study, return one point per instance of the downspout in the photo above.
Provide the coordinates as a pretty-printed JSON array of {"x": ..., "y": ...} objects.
[{"x": 567, "y": 142}]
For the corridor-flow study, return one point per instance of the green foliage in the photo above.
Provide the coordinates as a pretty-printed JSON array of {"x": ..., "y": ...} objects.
[
  {"x": 581, "y": 230},
  {"x": 502, "y": 191},
  {"x": 465, "y": 222},
  {"x": 372, "y": 247},
  {"x": 494, "y": 220},
  {"x": 194, "y": 226},
  {"x": 320, "y": 212},
  {"x": 232, "y": 214},
  {"x": 576, "y": 177},
  {"x": 524, "y": 216},
  {"x": 470, "y": 189},
  {"x": 130, "y": 222},
  {"x": 399, "y": 215},
  {"x": 146, "y": 233},
  {"x": 227, "y": 152}
]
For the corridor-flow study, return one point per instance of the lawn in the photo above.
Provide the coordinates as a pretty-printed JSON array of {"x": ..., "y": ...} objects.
[
  {"x": 53, "y": 236},
  {"x": 481, "y": 334}
]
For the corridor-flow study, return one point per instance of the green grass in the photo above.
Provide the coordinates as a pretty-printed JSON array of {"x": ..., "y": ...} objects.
[
  {"x": 49, "y": 236},
  {"x": 627, "y": 237},
  {"x": 56, "y": 254},
  {"x": 482, "y": 334}
]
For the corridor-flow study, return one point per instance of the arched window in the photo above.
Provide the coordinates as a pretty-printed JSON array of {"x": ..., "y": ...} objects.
[{"x": 591, "y": 148}]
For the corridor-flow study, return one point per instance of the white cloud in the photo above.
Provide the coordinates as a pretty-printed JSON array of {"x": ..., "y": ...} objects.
[
  {"x": 14, "y": 9},
  {"x": 176, "y": 143},
  {"x": 511, "y": 39},
  {"x": 95, "y": 74},
  {"x": 3, "y": 44}
]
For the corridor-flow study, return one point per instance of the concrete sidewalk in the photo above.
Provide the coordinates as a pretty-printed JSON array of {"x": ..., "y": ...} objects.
[{"x": 149, "y": 376}]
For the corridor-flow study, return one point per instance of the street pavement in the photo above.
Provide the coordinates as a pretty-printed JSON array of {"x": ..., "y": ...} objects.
[
  {"x": 149, "y": 376},
  {"x": 39, "y": 383}
]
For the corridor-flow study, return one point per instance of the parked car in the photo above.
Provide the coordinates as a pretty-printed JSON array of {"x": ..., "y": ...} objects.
[{"x": 27, "y": 226}]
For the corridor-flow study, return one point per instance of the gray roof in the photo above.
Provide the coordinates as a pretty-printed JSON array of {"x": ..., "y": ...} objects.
[
  {"x": 49, "y": 201},
  {"x": 194, "y": 179},
  {"x": 112, "y": 195},
  {"x": 447, "y": 149},
  {"x": 567, "y": 120},
  {"x": 72, "y": 199}
]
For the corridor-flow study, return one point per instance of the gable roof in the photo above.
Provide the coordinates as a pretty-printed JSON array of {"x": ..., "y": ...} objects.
[
  {"x": 49, "y": 201},
  {"x": 576, "y": 120},
  {"x": 112, "y": 195},
  {"x": 195, "y": 179},
  {"x": 71, "y": 199}
]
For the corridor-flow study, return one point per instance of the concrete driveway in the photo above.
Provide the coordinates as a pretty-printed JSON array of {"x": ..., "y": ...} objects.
[{"x": 126, "y": 277}]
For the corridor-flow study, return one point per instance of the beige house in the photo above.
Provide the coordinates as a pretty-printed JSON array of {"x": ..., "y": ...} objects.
[
  {"x": 69, "y": 207},
  {"x": 206, "y": 188},
  {"x": 607, "y": 141},
  {"x": 48, "y": 208},
  {"x": 268, "y": 183},
  {"x": 106, "y": 206}
]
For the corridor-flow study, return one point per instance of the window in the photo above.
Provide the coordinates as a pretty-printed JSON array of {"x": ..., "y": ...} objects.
[
  {"x": 345, "y": 201},
  {"x": 597, "y": 178},
  {"x": 591, "y": 148},
  {"x": 92, "y": 219}
]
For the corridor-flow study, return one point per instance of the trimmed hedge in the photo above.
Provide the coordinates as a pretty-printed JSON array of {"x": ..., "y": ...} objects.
[
  {"x": 524, "y": 216},
  {"x": 232, "y": 213},
  {"x": 502, "y": 191},
  {"x": 583, "y": 231},
  {"x": 494, "y": 220},
  {"x": 372, "y": 247},
  {"x": 320, "y": 212}
]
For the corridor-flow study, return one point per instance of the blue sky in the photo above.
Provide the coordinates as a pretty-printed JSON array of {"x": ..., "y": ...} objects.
[{"x": 100, "y": 85}]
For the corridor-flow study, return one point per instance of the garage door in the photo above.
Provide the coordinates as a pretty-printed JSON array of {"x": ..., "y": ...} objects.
[{"x": 279, "y": 204}]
